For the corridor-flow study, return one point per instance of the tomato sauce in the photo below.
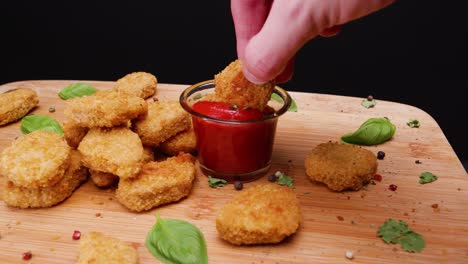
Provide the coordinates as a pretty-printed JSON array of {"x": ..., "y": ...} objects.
[{"x": 233, "y": 147}]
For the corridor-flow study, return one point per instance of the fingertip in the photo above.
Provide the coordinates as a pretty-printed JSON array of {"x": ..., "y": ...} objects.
[{"x": 252, "y": 78}]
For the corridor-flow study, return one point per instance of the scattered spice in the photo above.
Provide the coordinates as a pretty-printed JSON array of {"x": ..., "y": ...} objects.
[
  {"x": 340, "y": 218},
  {"x": 380, "y": 155},
  {"x": 51, "y": 109},
  {"x": 349, "y": 254},
  {"x": 98, "y": 214},
  {"x": 238, "y": 185},
  {"x": 368, "y": 102},
  {"x": 234, "y": 107},
  {"x": 458, "y": 189},
  {"x": 290, "y": 161},
  {"x": 435, "y": 206},
  {"x": 418, "y": 162},
  {"x": 370, "y": 98},
  {"x": 413, "y": 123},
  {"x": 378, "y": 177},
  {"x": 76, "y": 235},
  {"x": 392, "y": 187},
  {"x": 155, "y": 99},
  {"x": 27, "y": 255},
  {"x": 272, "y": 178}
]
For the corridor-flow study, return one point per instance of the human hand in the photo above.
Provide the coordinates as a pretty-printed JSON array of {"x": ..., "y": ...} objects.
[{"x": 270, "y": 32}]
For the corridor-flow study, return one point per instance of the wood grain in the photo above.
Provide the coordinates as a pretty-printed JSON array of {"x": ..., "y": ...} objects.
[{"x": 322, "y": 238}]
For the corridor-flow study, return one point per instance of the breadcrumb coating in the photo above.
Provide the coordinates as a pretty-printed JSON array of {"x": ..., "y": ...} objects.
[
  {"x": 164, "y": 120},
  {"x": 141, "y": 84},
  {"x": 98, "y": 248},
  {"x": 38, "y": 159},
  {"x": 259, "y": 215},
  {"x": 104, "y": 109},
  {"x": 158, "y": 183},
  {"x": 16, "y": 103},
  {"x": 74, "y": 134},
  {"x": 185, "y": 141},
  {"x": 115, "y": 150},
  {"x": 341, "y": 166}
]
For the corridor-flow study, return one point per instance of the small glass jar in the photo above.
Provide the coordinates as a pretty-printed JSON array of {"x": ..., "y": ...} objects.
[{"x": 234, "y": 150}]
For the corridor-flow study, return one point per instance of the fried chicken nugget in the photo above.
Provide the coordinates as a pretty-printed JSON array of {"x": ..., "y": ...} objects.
[
  {"x": 98, "y": 248},
  {"x": 74, "y": 134},
  {"x": 104, "y": 109},
  {"x": 26, "y": 197},
  {"x": 164, "y": 120},
  {"x": 141, "y": 84},
  {"x": 158, "y": 183},
  {"x": 105, "y": 179},
  {"x": 341, "y": 166},
  {"x": 115, "y": 150},
  {"x": 232, "y": 87},
  {"x": 16, "y": 103},
  {"x": 185, "y": 141},
  {"x": 259, "y": 215},
  {"x": 38, "y": 159}
]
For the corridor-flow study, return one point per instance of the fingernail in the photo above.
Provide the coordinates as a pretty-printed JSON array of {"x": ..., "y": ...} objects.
[{"x": 252, "y": 78}]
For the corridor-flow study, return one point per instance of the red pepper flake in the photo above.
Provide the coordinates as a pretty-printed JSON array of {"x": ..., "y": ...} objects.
[
  {"x": 435, "y": 206},
  {"x": 392, "y": 187},
  {"x": 378, "y": 177},
  {"x": 76, "y": 235},
  {"x": 27, "y": 255},
  {"x": 340, "y": 218},
  {"x": 98, "y": 214}
]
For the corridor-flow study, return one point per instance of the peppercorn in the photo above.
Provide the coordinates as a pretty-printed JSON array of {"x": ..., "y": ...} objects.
[
  {"x": 392, "y": 187},
  {"x": 51, "y": 109},
  {"x": 76, "y": 235},
  {"x": 370, "y": 98},
  {"x": 238, "y": 185},
  {"x": 272, "y": 178},
  {"x": 27, "y": 255},
  {"x": 380, "y": 155}
]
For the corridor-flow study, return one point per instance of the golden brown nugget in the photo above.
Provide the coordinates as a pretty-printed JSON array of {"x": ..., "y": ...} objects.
[
  {"x": 38, "y": 159},
  {"x": 185, "y": 141},
  {"x": 164, "y": 120},
  {"x": 341, "y": 166},
  {"x": 141, "y": 84},
  {"x": 259, "y": 215},
  {"x": 158, "y": 183},
  {"x": 25, "y": 197},
  {"x": 16, "y": 103},
  {"x": 105, "y": 179},
  {"x": 98, "y": 248},
  {"x": 232, "y": 87},
  {"x": 104, "y": 109},
  {"x": 115, "y": 150},
  {"x": 74, "y": 134}
]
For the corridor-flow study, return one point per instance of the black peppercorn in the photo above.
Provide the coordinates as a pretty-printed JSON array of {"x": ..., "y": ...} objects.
[
  {"x": 238, "y": 185},
  {"x": 272, "y": 178},
  {"x": 380, "y": 155}
]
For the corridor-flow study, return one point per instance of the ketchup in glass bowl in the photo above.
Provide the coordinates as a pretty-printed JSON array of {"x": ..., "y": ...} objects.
[{"x": 233, "y": 143}]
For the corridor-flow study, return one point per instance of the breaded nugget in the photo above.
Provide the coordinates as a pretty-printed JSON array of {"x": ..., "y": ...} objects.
[
  {"x": 164, "y": 120},
  {"x": 115, "y": 150},
  {"x": 232, "y": 87},
  {"x": 25, "y": 197},
  {"x": 158, "y": 183},
  {"x": 185, "y": 141},
  {"x": 74, "y": 134},
  {"x": 259, "y": 215},
  {"x": 16, "y": 103},
  {"x": 38, "y": 159},
  {"x": 104, "y": 109},
  {"x": 141, "y": 84},
  {"x": 98, "y": 248},
  {"x": 341, "y": 166},
  {"x": 105, "y": 179}
]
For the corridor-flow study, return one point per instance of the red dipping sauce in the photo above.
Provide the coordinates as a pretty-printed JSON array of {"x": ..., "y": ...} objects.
[{"x": 233, "y": 148}]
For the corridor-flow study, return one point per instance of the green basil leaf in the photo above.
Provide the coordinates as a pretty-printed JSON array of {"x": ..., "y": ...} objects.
[
  {"x": 32, "y": 123},
  {"x": 427, "y": 177},
  {"x": 398, "y": 232},
  {"x": 277, "y": 98},
  {"x": 76, "y": 90},
  {"x": 412, "y": 242},
  {"x": 413, "y": 123},
  {"x": 372, "y": 132},
  {"x": 285, "y": 180},
  {"x": 368, "y": 104},
  {"x": 215, "y": 182},
  {"x": 176, "y": 241}
]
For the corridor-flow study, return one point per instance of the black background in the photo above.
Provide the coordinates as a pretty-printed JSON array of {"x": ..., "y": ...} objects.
[{"x": 413, "y": 52}]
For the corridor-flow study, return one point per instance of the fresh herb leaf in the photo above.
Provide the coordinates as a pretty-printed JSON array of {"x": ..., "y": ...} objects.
[
  {"x": 32, "y": 123},
  {"x": 176, "y": 241},
  {"x": 398, "y": 232},
  {"x": 277, "y": 98},
  {"x": 372, "y": 132},
  {"x": 427, "y": 177},
  {"x": 285, "y": 180},
  {"x": 368, "y": 103},
  {"x": 76, "y": 90},
  {"x": 413, "y": 123},
  {"x": 215, "y": 182}
]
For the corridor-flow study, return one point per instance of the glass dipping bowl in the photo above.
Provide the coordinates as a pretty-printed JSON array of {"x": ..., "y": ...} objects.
[{"x": 234, "y": 150}]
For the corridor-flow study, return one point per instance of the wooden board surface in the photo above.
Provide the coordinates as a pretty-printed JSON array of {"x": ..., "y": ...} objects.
[{"x": 332, "y": 222}]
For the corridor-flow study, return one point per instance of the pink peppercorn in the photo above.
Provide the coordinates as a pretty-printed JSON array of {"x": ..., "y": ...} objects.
[
  {"x": 76, "y": 235},
  {"x": 392, "y": 187}
]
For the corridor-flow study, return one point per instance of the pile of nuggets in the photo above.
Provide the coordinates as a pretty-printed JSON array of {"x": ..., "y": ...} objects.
[{"x": 111, "y": 134}]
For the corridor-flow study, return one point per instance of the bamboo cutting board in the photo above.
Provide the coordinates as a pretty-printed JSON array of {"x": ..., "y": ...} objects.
[{"x": 332, "y": 222}]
